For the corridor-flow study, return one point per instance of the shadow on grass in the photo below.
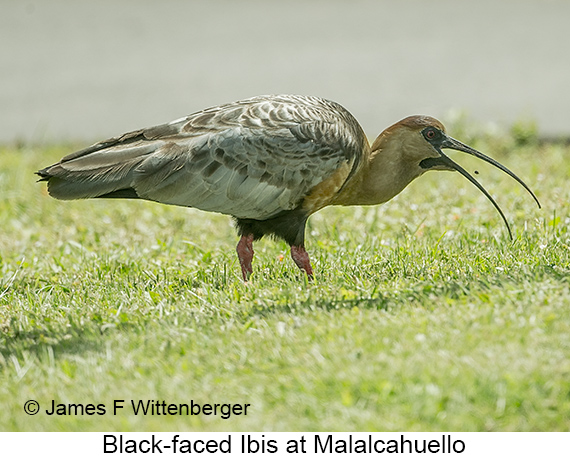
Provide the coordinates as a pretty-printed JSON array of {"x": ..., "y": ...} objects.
[
  {"x": 422, "y": 294},
  {"x": 90, "y": 334},
  {"x": 35, "y": 342},
  {"x": 303, "y": 307}
]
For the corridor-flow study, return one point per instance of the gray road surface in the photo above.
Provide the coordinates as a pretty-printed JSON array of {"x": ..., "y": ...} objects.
[{"x": 85, "y": 70}]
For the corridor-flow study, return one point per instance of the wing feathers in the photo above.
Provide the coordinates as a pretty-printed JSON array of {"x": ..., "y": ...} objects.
[
  {"x": 251, "y": 159},
  {"x": 95, "y": 174}
]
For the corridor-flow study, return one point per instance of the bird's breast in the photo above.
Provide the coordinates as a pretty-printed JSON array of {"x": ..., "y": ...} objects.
[{"x": 324, "y": 193}]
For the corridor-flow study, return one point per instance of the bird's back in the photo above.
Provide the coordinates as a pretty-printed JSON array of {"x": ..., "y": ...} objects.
[{"x": 253, "y": 158}]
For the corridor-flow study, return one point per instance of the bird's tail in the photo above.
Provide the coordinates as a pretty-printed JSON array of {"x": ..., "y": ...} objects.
[{"x": 104, "y": 170}]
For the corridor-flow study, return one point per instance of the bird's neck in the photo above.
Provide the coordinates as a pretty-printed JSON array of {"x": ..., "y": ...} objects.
[{"x": 383, "y": 174}]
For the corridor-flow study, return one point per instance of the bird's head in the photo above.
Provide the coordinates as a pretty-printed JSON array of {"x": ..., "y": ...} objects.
[{"x": 420, "y": 141}]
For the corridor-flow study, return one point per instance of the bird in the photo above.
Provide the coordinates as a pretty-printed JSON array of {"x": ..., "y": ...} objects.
[{"x": 269, "y": 161}]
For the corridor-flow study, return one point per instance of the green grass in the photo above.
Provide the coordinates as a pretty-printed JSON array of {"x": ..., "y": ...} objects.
[{"x": 423, "y": 316}]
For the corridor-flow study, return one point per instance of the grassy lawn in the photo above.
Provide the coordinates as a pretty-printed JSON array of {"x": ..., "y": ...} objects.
[{"x": 423, "y": 316}]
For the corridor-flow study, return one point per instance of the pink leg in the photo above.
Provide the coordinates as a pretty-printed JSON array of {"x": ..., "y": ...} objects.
[
  {"x": 301, "y": 258},
  {"x": 244, "y": 251}
]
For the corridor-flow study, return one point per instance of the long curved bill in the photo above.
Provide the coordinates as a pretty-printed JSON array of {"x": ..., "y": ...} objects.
[{"x": 445, "y": 161}]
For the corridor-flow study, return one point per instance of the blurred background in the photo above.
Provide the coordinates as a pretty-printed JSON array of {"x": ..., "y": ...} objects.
[{"x": 74, "y": 70}]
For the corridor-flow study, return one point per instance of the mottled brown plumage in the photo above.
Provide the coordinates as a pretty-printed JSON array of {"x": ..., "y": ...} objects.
[{"x": 269, "y": 161}]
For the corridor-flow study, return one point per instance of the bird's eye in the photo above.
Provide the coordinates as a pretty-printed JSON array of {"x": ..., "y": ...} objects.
[{"x": 431, "y": 134}]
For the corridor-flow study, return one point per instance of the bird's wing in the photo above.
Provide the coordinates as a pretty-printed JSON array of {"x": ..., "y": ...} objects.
[{"x": 251, "y": 159}]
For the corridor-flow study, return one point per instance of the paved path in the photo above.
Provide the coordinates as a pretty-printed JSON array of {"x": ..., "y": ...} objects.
[{"x": 81, "y": 70}]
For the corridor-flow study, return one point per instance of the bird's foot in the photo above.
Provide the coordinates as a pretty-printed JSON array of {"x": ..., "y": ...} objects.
[
  {"x": 301, "y": 258},
  {"x": 244, "y": 251}
]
